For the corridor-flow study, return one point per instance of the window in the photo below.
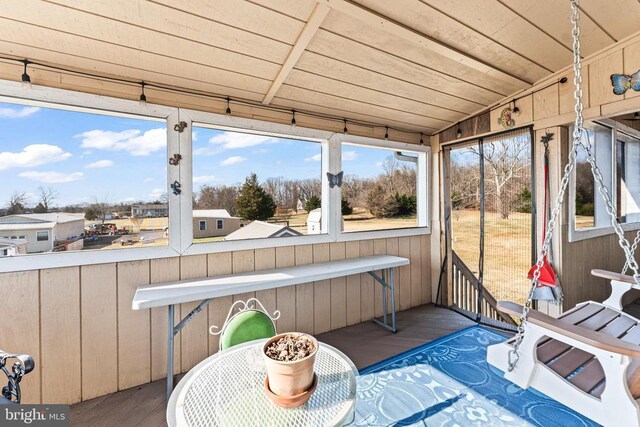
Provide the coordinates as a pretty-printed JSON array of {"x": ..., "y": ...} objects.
[
  {"x": 380, "y": 189},
  {"x": 628, "y": 177},
  {"x": 590, "y": 211},
  {"x": 100, "y": 178},
  {"x": 255, "y": 186},
  {"x": 617, "y": 155}
]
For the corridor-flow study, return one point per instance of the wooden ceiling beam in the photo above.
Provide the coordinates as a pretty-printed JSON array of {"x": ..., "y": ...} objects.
[
  {"x": 384, "y": 23},
  {"x": 315, "y": 20}
]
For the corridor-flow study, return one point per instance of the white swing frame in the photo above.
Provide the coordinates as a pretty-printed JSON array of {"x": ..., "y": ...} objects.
[{"x": 619, "y": 359}]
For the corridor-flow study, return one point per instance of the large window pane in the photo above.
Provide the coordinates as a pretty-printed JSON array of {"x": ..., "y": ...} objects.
[
  {"x": 590, "y": 210},
  {"x": 628, "y": 177},
  {"x": 379, "y": 189},
  {"x": 80, "y": 181},
  {"x": 249, "y": 186}
]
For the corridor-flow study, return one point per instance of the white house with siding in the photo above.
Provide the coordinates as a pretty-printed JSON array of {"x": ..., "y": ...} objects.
[
  {"x": 12, "y": 247},
  {"x": 41, "y": 231}
]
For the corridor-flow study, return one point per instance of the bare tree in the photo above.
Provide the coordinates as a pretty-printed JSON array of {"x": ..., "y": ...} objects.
[
  {"x": 100, "y": 208},
  {"x": 505, "y": 161},
  {"x": 46, "y": 196},
  {"x": 219, "y": 197},
  {"x": 17, "y": 203}
]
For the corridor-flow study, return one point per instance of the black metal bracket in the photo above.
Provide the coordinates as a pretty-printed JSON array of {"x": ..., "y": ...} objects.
[
  {"x": 180, "y": 127},
  {"x": 175, "y": 159},
  {"x": 176, "y": 187}
]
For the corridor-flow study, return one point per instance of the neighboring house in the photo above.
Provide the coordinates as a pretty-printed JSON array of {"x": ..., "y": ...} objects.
[
  {"x": 12, "y": 247},
  {"x": 260, "y": 229},
  {"x": 214, "y": 223},
  {"x": 150, "y": 211},
  {"x": 41, "y": 231}
]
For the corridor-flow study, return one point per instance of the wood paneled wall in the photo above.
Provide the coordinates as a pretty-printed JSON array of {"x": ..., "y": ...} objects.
[
  {"x": 550, "y": 103},
  {"x": 550, "y": 107},
  {"x": 78, "y": 324}
]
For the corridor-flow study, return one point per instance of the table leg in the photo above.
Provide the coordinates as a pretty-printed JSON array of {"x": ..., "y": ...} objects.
[
  {"x": 384, "y": 296},
  {"x": 392, "y": 283},
  {"x": 170, "y": 351}
]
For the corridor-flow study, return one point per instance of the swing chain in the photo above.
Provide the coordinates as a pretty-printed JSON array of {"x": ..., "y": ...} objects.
[
  {"x": 611, "y": 210},
  {"x": 513, "y": 355},
  {"x": 633, "y": 251}
]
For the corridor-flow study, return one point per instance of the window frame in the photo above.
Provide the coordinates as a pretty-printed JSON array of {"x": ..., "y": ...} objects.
[
  {"x": 219, "y": 224},
  {"x": 423, "y": 182},
  {"x": 180, "y": 207},
  {"x": 200, "y": 223},
  {"x": 578, "y": 234},
  {"x": 62, "y": 99},
  {"x": 38, "y": 239}
]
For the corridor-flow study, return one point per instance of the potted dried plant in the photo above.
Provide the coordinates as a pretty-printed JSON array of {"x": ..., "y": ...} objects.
[{"x": 289, "y": 359}]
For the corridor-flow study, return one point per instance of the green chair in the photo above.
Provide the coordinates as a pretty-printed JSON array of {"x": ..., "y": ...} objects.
[{"x": 250, "y": 322}]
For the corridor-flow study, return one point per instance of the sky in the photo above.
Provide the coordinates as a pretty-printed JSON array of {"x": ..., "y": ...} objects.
[{"x": 87, "y": 157}]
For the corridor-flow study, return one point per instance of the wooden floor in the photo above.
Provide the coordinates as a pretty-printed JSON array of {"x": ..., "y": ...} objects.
[{"x": 365, "y": 343}]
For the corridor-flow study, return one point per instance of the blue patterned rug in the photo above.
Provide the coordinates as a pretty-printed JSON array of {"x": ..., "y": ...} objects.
[{"x": 448, "y": 382}]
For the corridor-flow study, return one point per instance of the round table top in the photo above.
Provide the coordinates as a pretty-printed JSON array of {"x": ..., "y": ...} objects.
[{"x": 227, "y": 389}]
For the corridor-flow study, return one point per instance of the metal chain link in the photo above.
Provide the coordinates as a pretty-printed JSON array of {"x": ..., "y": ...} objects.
[
  {"x": 578, "y": 141},
  {"x": 513, "y": 355},
  {"x": 611, "y": 210},
  {"x": 633, "y": 251}
]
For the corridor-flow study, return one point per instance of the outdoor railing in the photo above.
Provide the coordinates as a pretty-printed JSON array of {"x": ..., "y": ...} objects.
[{"x": 465, "y": 293}]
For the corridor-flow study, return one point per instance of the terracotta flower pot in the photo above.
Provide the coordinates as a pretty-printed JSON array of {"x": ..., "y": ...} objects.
[{"x": 290, "y": 378}]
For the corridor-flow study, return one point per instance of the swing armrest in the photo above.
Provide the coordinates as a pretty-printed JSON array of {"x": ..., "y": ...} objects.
[
  {"x": 586, "y": 336},
  {"x": 610, "y": 275}
]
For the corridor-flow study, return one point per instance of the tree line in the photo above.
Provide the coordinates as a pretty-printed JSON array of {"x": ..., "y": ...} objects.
[
  {"x": 507, "y": 177},
  {"x": 391, "y": 193}
]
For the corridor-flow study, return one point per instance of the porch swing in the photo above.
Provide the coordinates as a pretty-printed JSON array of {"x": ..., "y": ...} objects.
[{"x": 589, "y": 358}]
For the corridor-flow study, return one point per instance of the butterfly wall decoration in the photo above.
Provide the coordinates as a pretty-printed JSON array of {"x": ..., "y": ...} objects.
[
  {"x": 335, "y": 180},
  {"x": 623, "y": 82}
]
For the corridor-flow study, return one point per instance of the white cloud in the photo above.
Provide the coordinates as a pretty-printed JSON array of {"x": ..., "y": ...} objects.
[
  {"x": 17, "y": 113},
  {"x": 157, "y": 193},
  {"x": 349, "y": 155},
  {"x": 233, "y": 160},
  {"x": 52, "y": 177},
  {"x": 315, "y": 158},
  {"x": 33, "y": 155},
  {"x": 204, "y": 179},
  {"x": 99, "y": 164},
  {"x": 133, "y": 141},
  {"x": 149, "y": 179},
  {"x": 379, "y": 164},
  {"x": 231, "y": 140}
]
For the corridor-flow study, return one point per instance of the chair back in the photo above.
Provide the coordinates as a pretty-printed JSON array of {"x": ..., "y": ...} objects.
[{"x": 250, "y": 322}]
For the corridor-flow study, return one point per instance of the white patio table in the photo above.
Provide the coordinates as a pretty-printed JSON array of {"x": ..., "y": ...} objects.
[{"x": 227, "y": 389}]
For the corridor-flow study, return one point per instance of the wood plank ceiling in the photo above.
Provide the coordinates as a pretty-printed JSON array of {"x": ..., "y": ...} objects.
[{"x": 413, "y": 64}]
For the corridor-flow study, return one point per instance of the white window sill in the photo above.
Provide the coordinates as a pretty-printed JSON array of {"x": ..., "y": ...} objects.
[
  {"x": 79, "y": 258},
  {"x": 591, "y": 233}
]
